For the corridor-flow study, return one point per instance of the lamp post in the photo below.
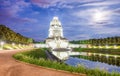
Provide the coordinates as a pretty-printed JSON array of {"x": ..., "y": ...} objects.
[{"x": 1, "y": 45}]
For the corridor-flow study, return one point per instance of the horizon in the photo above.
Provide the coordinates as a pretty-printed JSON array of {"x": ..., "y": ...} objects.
[{"x": 81, "y": 20}]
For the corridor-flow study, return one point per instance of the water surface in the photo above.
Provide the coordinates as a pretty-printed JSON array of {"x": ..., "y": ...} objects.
[{"x": 74, "y": 61}]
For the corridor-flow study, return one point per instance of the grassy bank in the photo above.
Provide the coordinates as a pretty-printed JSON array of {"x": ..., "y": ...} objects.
[
  {"x": 96, "y": 50},
  {"x": 38, "y": 57}
]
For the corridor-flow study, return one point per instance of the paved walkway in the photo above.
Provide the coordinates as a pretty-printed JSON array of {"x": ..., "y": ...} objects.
[{"x": 10, "y": 67}]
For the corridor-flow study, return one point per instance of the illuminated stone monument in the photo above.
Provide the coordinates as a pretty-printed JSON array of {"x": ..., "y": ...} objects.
[{"x": 56, "y": 40}]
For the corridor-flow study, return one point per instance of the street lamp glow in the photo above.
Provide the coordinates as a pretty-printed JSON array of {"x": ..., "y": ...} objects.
[
  {"x": 115, "y": 47},
  {"x": 100, "y": 54},
  {"x": 1, "y": 44},
  {"x": 107, "y": 46},
  {"x": 115, "y": 56},
  {"x": 13, "y": 44},
  {"x": 94, "y": 54},
  {"x": 100, "y": 46}
]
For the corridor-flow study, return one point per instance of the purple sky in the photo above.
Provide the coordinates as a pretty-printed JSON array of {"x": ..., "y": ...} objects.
[{"x": 81, "y": 19}]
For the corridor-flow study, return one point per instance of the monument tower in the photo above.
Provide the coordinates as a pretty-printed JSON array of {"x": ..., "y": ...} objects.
[
  {"x": 55, "y": 37},
  {"x": 55, "y": 29}
]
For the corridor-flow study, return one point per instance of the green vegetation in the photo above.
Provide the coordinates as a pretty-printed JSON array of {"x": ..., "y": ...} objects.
[
  {"x": 102, "y": 41},
  {"x": 38, "y": 53},
  {"x": 96, "y": 50},
  {"x": 9, "y": 36},
  {"x": 38, "y": 57}
]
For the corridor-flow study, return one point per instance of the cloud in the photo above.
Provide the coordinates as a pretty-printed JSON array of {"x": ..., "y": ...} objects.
[
  {"x": 32, "y": 20},
  {"x": 117, "y": 11},
  {"x": 44, "y": 3},
  {"x": 107, "y": 30},
  {"x": 94, "y": 17},
  {"x": 10, "y": 11},
  {"x": 10, "y": 8},
  {"x": 80, "y": 37},
  {"x": 73, "y": 3},
  {"x": 102, "y": 3},
  {"x": 59, "y": 3}
]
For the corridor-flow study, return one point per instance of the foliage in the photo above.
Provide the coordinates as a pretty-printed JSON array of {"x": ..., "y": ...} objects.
[
  {"x": 96, "y": 50},
  {"x": 8, "y": 35},
  {"x": 38, "y": 53},
  {"x": 34, "y": 59},
  {"x": 100, "y": 41}
]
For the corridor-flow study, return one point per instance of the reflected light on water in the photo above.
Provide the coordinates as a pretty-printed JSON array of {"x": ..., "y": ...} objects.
[
  {"x": 115, "y": 56},
  {"x": 107, "y": 56},
  {"x": 89, "y": 54},
  {"x": 99, "y": 54}
]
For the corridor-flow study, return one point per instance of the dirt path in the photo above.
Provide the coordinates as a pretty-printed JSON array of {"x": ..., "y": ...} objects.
[{"x": 10, "y": 67}]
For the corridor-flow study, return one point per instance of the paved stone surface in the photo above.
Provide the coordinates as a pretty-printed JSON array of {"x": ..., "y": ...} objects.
[{"x": 10, "y": 67}]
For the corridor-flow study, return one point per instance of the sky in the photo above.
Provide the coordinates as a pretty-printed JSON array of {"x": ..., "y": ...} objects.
[{"x": 81, "y": 19}]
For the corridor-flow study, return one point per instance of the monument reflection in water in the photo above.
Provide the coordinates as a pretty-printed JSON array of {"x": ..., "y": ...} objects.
[{"x": 56, "y": 40}]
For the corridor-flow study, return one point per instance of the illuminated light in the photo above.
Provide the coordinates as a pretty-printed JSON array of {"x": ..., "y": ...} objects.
[
  {"x": 107, "y": 46},
  {"x": 1, "y": 44},
  {"x": 100, "y": 46},
  {"x": 19, "y": 44},
  {"x": 107, "y": 56},
  {"x": 115, "y": 47},
  {"x": 115, "y": 56},
  {"x": 13, "y": 44},
  {"x": 90, "y": 47},
  {"x": 89, "y": 54},
  {"x": 99, "y": 54},
  {"x": 94, "y": 47}
]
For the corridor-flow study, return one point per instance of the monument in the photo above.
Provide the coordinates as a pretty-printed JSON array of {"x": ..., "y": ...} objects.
[
  {"x": 55, "y": 38},
  {"x": 56, "y": 41}
]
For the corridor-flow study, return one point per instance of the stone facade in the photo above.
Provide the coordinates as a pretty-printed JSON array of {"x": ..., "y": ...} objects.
[{"x": 55, "y": 38}]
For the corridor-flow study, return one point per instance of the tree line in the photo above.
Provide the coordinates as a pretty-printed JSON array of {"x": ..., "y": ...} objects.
[
  {"x": 8, "y": 35},
  {"x": 101, "y": 41}
]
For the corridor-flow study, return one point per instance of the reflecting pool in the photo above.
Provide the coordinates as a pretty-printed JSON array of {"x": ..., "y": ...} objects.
[{"x": 74, "y": 61}]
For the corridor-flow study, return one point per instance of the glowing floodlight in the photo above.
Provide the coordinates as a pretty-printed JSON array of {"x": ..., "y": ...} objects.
[{"x": 1, "y": 44}]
